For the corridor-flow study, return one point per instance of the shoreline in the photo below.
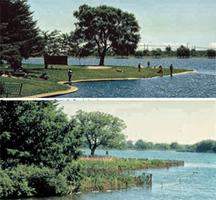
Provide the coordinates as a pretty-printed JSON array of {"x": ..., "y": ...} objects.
[{"x": 73, "y": 88}]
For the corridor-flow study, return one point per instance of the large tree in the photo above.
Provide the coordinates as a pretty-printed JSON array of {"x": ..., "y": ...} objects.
[
  {"x": 100, "y": 129},
  {"x": 37, "y": 133},
  {"x": 106, "y": 28},
  {"x": 19, "y": 35}
]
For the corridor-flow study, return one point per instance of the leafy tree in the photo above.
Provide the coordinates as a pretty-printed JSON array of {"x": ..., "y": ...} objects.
[
  {"x": 156, "y": 52},
  {"x": 37, "y": 133},
  {"x": 139, "y": 53},
  {"x": 174, "y": 145},
  {"x": 168, "y": 50},
  {"x": 19, "y": 34},
  {"x": 211, "y": 53},
  {"x": 78, "y": 47},
  {"x": 129, "y": 144},
  {"x": 205, "y": 146},
  {"x": 162, "y": 146},
  {"x": 141, "y": 145},
  {"x": 100, "y": 129},
  {"x": 183, "y": 52},
  {"x": 106, "y": 28},
  {"x": 146, "y": 52}
]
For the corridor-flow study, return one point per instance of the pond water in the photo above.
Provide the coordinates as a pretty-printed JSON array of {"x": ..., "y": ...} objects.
[
  {"x": 201, "y": 84},
  {"x": 195, "y": 181}
]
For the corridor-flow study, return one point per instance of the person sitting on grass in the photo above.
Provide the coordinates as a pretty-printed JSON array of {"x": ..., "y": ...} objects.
[{"x": 160, "y": 71}]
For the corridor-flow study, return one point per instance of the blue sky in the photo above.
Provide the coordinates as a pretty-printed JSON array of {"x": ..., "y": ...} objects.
[{"x": 161, "y": 21}]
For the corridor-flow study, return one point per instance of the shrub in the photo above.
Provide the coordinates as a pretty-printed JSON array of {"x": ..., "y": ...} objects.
[
  {"x": 73, "y": 174},
  {"x": 27, "y": 181},
  {"x": 47, "y": 183},
  {"x": 6, "y": 185}
]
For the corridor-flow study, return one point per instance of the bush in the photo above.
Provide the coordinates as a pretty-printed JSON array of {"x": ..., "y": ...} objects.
[
  {"x": 73, "y": 174},
  {"x": 27, "y": 181},
  {"x": 47, "y": 183},
  {"x": 6, "y": 185},
  {"x": 19, "y": 177}
]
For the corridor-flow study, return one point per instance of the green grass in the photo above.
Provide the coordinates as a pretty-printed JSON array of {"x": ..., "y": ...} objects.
[
  {"x": 34, "y": 85},
  {"x": 117, "y": 173}
]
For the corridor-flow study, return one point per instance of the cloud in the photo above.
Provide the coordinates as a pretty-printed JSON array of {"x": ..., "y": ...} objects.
[{"x": 213, "y": 45}]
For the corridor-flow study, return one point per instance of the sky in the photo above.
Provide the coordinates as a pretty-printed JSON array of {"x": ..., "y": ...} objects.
[
  {"x": 185, "y": 122},
  {"x": 161, "y": 21}
]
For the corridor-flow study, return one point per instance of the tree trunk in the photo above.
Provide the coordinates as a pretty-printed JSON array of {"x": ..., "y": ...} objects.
[
  {"x": 15, "y": 63},
  {"x": 45, "y": 61},
  {"x": 93, "y": 151},
  {"x": 102, "y": 58}
]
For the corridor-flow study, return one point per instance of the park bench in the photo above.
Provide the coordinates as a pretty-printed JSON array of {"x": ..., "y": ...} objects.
[{"x": 10, "y": 89}]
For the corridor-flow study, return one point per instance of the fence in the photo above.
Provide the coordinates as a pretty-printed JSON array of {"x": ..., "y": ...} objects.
[{"x": 10, "y": 89}]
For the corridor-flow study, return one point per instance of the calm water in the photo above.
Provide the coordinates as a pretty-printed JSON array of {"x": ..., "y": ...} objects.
[
  {"x": 195, "y": 181},
  {"x": 198, "y": 85}
]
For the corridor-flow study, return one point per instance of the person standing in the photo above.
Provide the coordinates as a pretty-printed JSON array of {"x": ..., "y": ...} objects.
[
  {"x": 139, "y": 67},
  {"x": 148, "y": 63},
  {"x": 70, "y": 72},
  {"x": 171, "y": 70}
]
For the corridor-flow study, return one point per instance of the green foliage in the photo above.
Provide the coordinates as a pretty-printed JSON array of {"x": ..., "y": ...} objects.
[
  {"x": 6, "y": 185},
  {"x": 26, "y": 181},
  {"x": 211, "y": 53},
  {"x": 100, "y": 129},
  {"x": 19, "y": 34},
  {"x": 115, "y": 173},
  {"x": 205, "y": 146},
  {"x": 47, "y": 183},
  {"x": 106, "y": 28},
  {"x": 183, "y": 52},
  {"x": 141, "y": 145},
  {"x": 156, "y": 52},
  {"x": 37, "y": 133},
  {"x": 73, "y": 174},
  {"x": 56, "y": 43}
]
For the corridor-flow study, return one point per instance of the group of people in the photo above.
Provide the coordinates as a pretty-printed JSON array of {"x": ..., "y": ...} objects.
[{"x": 160, "y": 71}]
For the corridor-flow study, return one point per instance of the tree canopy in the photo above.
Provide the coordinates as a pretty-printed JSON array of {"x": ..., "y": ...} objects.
[
  {"x": 183, "y": 52},
  {"x": 211, "y": 53},
  {"x": 107, "y": 28},
  {"x": 37, "y": 133},
  {"x": 19, "y": 33},
  {"x": 100, "y": 129}
]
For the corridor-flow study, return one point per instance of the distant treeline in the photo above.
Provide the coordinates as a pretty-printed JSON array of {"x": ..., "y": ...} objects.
[
  {"x": 181, "y": 52},
  {"x": 203, "y": 146}
]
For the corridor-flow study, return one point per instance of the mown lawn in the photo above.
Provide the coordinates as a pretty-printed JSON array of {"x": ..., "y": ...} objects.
[{"x": 34, "y": 85}]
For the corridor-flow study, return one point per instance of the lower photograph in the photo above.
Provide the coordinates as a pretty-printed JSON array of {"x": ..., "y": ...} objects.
[{"x": 108, "y": 149}]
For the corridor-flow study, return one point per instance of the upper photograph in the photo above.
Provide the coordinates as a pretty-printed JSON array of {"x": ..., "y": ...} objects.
[{"x": 107, "y": 49}]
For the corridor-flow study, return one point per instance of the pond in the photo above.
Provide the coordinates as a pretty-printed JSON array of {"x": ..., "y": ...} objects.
[
  {"x": 195, "y": 181},
  {"x": 201, "y": 84}
]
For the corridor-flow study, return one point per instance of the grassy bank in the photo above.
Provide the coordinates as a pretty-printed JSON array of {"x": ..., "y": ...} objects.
[
  {"x": 84, "y": 175},
  {"x": 114, "y": 173},
  {"x": 33, "y": 85}
]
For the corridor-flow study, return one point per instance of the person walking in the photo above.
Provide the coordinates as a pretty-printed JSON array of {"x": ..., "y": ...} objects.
[
  {"x": 70, "y": 72},
  {"x": 171, "y": 70}
]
